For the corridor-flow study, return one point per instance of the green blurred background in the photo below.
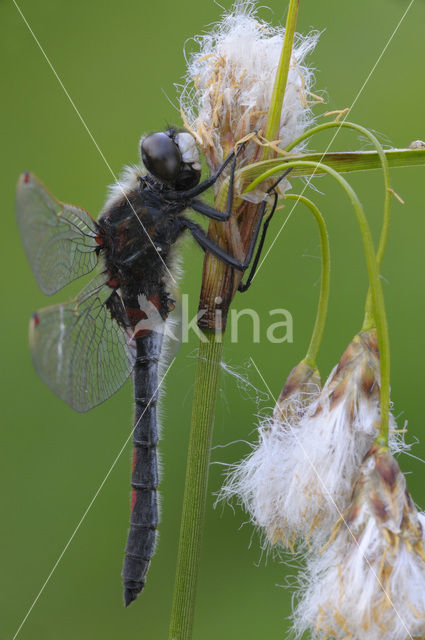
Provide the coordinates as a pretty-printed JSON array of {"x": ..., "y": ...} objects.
[{"x": 116, "y": 60}]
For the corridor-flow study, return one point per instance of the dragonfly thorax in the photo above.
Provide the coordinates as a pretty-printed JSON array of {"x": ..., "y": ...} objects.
[{"x": 136, "y": 235}]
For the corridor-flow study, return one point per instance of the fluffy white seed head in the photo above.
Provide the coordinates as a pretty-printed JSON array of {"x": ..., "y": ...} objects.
[
  {"x": 301, "y": 473},
  {"x": 257, "y": 481},
  {"x": 368, "y": 582},
  {"x": 230, "y": 80}
]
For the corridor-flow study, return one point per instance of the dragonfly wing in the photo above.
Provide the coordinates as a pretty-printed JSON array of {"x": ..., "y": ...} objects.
[
  {"x": 79, "y": 350},
  {"x": 59, "y": 239}
]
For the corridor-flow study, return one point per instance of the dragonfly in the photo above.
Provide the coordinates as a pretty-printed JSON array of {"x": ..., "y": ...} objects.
[{"x": 86, "y": 349}]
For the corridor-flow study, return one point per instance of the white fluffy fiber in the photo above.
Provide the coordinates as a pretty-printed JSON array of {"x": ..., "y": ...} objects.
[
  {"x": 230, "y": 80},
  {"x": 343, "y": 592},
  {"x": 300, "y": 475},
  {"x": 260, "y": 483},
  {"x": 369, "y": 582}
]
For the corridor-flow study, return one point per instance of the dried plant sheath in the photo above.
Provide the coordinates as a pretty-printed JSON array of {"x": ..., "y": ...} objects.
[{"x": 302, "y": 384}]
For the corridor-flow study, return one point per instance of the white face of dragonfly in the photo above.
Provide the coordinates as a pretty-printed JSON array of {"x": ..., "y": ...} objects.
[{"x": 187, "y": 145}]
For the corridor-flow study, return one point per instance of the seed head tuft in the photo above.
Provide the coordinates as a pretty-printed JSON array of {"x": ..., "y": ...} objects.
[
  {"x": 229, "y": 85},
  {"x": 301, "y": 473},
  {"x": 368, "y": 581}
]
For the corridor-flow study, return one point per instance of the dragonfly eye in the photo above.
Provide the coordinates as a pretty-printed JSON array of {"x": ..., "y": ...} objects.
[{"x": 161, "y": 156}]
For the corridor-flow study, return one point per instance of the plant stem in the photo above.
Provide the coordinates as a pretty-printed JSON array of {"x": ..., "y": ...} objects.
[
  {"x": 374, "y": 283},
  {"x": 193, "y": 515},
  {"x": 275, "y": 109},
  {"x": 368, "y": 321},
  {"x": 322, "y": 307}
]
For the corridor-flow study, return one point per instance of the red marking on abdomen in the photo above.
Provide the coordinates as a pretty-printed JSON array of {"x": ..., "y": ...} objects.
[
  {"x": 156, "y": 300},
  {"x": 134, "y": 460},
  {"x": 136, "y": 316},
  {"x": 35, "y": 319},
  {"x": 26, "y": 176},
  {"x": 133, "y": 499}
]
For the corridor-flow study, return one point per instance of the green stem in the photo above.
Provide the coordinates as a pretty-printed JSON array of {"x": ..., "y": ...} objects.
[
  {"x": 322, "y": 307},
  {"x": 281, "y": 78},
  {"x": 374, "y": 283},
  {"x": 368, "y": 321},
  {"x": 193, "y": 515}
]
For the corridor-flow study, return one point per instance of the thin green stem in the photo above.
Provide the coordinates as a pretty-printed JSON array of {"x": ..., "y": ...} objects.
[
  {"x": 193, "y": 515},
  {"x": 281, "y": 78},
  {"x": 322, "y": 307},
  {"x": 374, "y": 283},
  {"x": 368, "y": 321}
]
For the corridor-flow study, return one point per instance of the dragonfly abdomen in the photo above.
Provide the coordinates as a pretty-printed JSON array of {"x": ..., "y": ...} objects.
[{"x": 144, "y": 480}]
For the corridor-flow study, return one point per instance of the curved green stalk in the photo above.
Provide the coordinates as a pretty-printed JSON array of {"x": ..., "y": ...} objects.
[
  {"x": 322, "y": 307},
  {"x": 368, "y": 322},
  {"x": 374, "y": 283}
]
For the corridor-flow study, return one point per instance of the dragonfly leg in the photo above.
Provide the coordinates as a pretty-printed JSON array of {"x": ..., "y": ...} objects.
[
  {"x": 201, "y": 207},
  {"x": 244, "y": 286},
  {"x": 190, "y": 194},
  {"x": 208, "y": 245}
]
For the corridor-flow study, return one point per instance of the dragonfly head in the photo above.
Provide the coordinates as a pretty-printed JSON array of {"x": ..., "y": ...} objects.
[{"x": 172, "y": 157}]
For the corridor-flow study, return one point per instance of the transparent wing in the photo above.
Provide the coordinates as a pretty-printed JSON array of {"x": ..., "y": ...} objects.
[
  {"x": 59, "y": 239},
  {"x": 80, "y": 352}
]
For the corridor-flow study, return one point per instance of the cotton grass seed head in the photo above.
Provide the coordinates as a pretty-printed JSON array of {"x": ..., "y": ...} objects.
[
  {"x": 256, "y": 482},
  {"x": 230, "y": 80},
  {"x": 368, "y": 582},
  {"x": 224, "y": 102},
  {"x": 301, "y": 387},
  {"x": 301, "y": 473},
  {"x": 320, "y": 459}
]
